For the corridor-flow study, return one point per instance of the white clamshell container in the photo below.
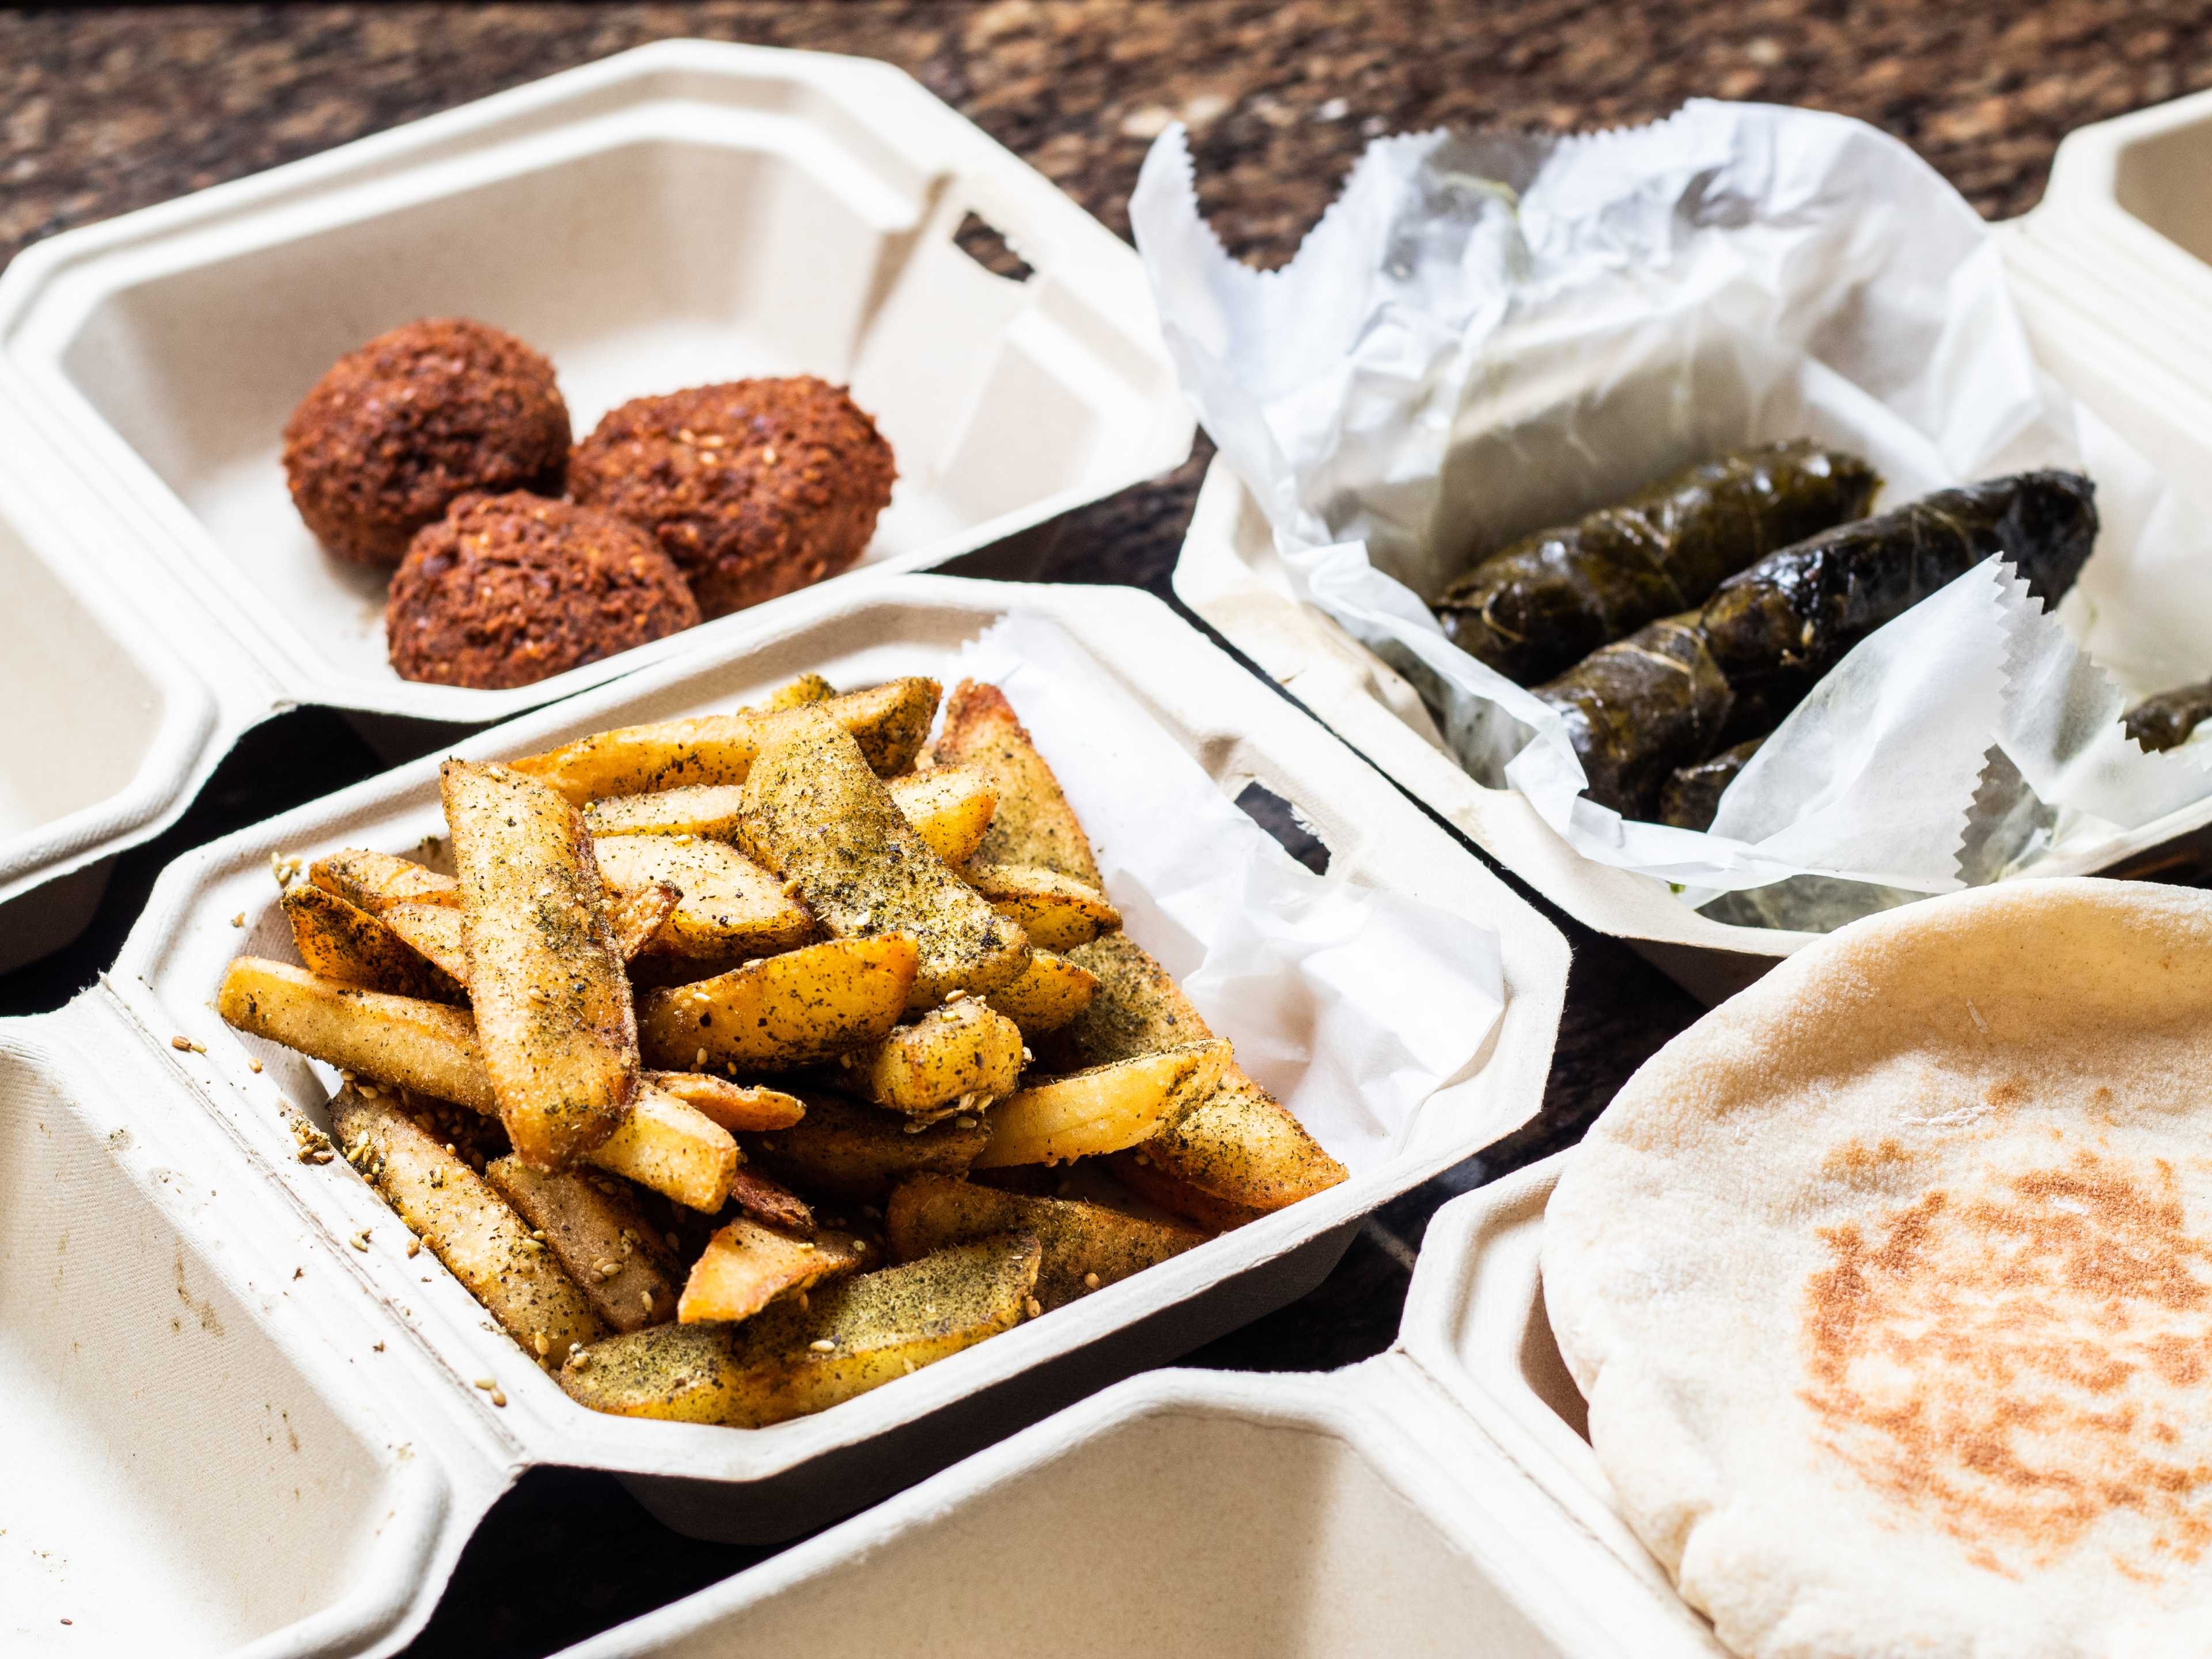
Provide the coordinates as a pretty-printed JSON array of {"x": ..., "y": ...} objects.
[
  {"x": 683, "y": 213},
  {"x": 371, "y": 1357},
  {"x": 1406, "y": 1506},
  {"x": 1227, "y": 572}
]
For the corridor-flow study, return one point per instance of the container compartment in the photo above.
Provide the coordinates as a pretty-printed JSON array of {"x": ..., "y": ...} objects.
[
  {"x": 681, "y": 214},
  {"x": 760, "y": 1485},
  {"x": 1180, "y": 1530},
  {"x": 109, "y": 729},
  {"x": 176, "y": 1483}
]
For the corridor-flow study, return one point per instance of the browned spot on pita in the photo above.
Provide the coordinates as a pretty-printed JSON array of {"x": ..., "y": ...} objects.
[
  {"x": 2010, "y": 1366},
  {"x": 2008, "y": 1091}
]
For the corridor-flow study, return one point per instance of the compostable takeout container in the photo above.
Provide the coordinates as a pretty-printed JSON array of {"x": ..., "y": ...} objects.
[
  {"x": 2152, "y": 383},
  {"x": 264, "y": 1433},
  {"x": 683, "y": 213},
  {"x": 1438, "y": 1500}
]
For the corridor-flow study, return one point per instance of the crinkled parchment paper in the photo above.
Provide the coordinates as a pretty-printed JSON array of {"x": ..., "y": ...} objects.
[
  {"x": 1353, "y": 1004},
  {"x": 1491, "y": 334}
]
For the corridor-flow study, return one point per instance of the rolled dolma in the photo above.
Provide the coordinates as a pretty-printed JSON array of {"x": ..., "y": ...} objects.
[
  {"x": 1776, "y": 628},
  {"x": 1553, "y": 598},
  {"x": 1639, "y": 708},
  {"x": 1692, "y": 794},
  {"x": 2165, "y": 721}
]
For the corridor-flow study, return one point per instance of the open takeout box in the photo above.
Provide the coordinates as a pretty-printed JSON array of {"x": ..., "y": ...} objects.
[
  {"x": 162, "y": 1235},
  {"x": 683, "y": 213},
  {"x": 2093, "y": 328},
  {"x": 1406, "y": 1506}
]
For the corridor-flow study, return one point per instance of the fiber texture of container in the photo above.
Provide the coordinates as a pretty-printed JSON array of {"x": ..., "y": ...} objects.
[
  {"x": 282, "y": 1324},
  {"x": 1397, "y": 1508},
  {"x": 2077, "y": 320},
  {"x": 683, "y": 213}
]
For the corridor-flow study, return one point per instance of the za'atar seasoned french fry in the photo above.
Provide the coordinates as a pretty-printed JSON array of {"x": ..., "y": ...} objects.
[
  {"x": 963, "y": 1051},
  {"x": 600, "y": 1238},
  {"x": 783, "y": 1011},
  {"x": 467, "y": 1226},
  {"x": 746, "y": 1266},
  {"x": 1034, "y": 823},
  {"x": 1236, "y": 1143},
  {"x": 1102, "y": 1110},
  {"x": 1055, "y": 912},
  {"x": 817, "y": 815},
  {"x": 734, "y": 1105},
  {"x": 856, "y": 1152},
  {"x": 370, "y": 880},
  {"x": 888, "y": 722},
  {"x": 949, "y": 806},
  {"x": 343, "y": 942},
  {"x": 726, "y": 905},
  {"x": 788, "y": 1361},
  {"x": 1086, "y": 1245},
  {"x": 552, "y": 1005},
  {"x": 431, "y": 1050},
  {"x": 1051, "y": 992}
]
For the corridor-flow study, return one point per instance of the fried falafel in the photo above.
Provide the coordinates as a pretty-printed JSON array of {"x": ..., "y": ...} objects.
[
  {"x": 755, "y": 488},
  {"x": 508, "y": 590},
  {"x": 396, "y": 430}
]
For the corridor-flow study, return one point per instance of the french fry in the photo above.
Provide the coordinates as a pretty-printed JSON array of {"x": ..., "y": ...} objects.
[
  {"x": 343, "y": 942},
  {"x": 482, "y": 1242},
  {"x": 1085, "y": 1246},
  {"x": 431, "y": 1050},
  {"x": 426, "y": 1046},
  {"x": 1135, "y": 1169},
  {"x": 854, "y": 1335},
  {"x": 673, "y": 1148},
  {"x": 846, "y": 1150},
  {"x": 795, "y": 693},
  {"x": 639, "y": 913},
  {"x": 727, "y": 905},
  {"x": 949, "y": 807},
  {"x": 1238, "y": 1146},
  {"x": 552, "y": 1005},
  {"x": 381, "y": 884},
  {"x": 817, "y": 815},
  {"x": 735, "y": 1106},
  {"x": 369, "y": 881},
  {"x": 1051, "y": 992},
  {"x": 746, "y": 1266},
  {"x": 1056, "y": 913},
  {"x": 782, "y": 1011},
  {"x": 711, "y": 810},
  {"x": 1102, "y": 1110},
  {"x": 962, "y": 1053},
  {"x": 1034, "y": 823},
  {"x": 433, "y": 932},
  {"x": 888, "y": 722},
  {"x": 769, "y": 1200},
  {"x": 600, "y": 1238}
]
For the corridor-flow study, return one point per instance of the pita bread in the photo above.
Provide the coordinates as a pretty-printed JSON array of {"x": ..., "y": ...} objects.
[{"x": 1889, "y": 1284}]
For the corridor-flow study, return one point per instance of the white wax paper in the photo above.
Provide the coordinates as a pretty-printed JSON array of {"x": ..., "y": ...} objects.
[
  {"x": 1352, "y": 1004},
  {"x": 1491, "y": 334}
]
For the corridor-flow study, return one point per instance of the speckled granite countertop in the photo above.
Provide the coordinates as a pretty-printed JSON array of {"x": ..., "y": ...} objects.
[{"x": 103, "y": 111}]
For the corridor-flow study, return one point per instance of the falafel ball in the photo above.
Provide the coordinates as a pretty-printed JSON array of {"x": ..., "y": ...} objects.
[
  {"x": 396, "y": 430},
  {"x": 753, "y": 487},
  {"x": 505, "y": 590}
]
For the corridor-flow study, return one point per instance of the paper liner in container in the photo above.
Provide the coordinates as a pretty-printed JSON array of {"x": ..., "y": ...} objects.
[
  {"x": 1515, "y": 369},
  {"x": 1389, "y": 1509},
  {"x": 690, "y": 212},
  {"x": 1457, "y": 984}
]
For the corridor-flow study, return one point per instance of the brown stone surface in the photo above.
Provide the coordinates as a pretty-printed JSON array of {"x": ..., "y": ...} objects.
[{"x": 103, "y": 111}]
